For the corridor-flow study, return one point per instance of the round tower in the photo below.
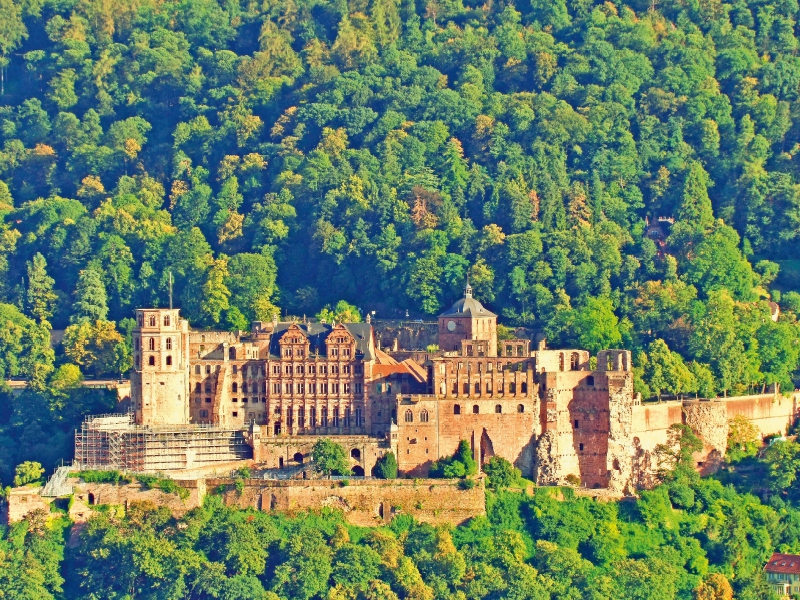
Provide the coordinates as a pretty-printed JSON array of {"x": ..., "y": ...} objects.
[{"x": 160, "y": 375}]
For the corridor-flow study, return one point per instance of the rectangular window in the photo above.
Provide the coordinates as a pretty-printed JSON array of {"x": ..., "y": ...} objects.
[
  {"x": 287, "y": 388},
  {"x": 577, "y": 423},
  {"x": 276, "y": 388},
  {"x": 311, "y": 369},
  {"x": 323, "y": 388},
  {"x": 301, "y": 388},
  {"x": 346, "y": 352},
  {"x": 312, "y": 388},
  {"x": 334, "y": 352},
  {"x": 235, "y": 414},
  {"x": 379, "y": 388},
  {"x": 346, "y": 388},
  {"x": 359, "y": 388},
  {"x": 208, "y": 400},
  {"x": 234, "y": 400},
  {"x": 359, "y": 370},
  {"x": 198, "y": 387},
  {"x": 276, "y": 369},
  {"x": 346, "y": 369},
  {"x": 235, "y": 369},
  {"x": 323, "y": 370},
  {"x": 197, "y": 369},
  {"x": 208, "y": 369},
  {"x": 203, "y": 414},
  {"x": 335, "y": 388},
  {"x": 489, "y": 367},
  {"x": 334, "y": 369},
  {"x": 244, "y": 399}
]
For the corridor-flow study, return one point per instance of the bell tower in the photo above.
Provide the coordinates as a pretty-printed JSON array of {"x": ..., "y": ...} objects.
[
  {"x": 160, "y": 375},
  {"x": 467, "y": 319}
]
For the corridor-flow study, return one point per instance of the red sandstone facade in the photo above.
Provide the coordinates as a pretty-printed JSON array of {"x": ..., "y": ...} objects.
[{"x": 288, "y": 384}]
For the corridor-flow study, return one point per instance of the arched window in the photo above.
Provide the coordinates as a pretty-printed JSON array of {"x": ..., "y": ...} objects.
[
  {"x": 166, "y": 320},
  {"x": 560, "y": 361},
  {"x": 235, "y": 387},
  {"x": 409, "y": 417},
  {"x": 475, "y": 409},
  {"x": 151, "y": 344},
  {"x": 152, "y": 320},
  {"x": 232, "y": 353},
  {"x": 355, "y": 453},
  {"x": 573, "y": 361},
  {"x": 498, "y": 409},
  {"x": 423, "y": 416},
  {"x": 169, "y": 361},
  {"x": 169, "y": 343},
  {"x": 298, "y": 458},
  {"x": 152, "y": 361},
  {"x": 456, "y": 409},
  {"x": 477, "y": 388},
  {"x": 520, "y": 408}
]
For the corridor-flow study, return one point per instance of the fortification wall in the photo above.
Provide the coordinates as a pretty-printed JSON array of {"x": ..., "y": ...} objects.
[
  {"x": 405, "y": 335},
  {"x": 770, "y": 413},
  {"x": 366, "y": 503}
]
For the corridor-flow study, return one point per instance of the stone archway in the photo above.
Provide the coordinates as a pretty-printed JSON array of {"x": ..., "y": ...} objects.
[{"x": 486, "y": 447}]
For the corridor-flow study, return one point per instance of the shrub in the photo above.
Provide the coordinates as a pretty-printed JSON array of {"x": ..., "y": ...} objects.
[
  {"x": 573, "y": 480},
  {"x": 28, "y": 472},
  {"x": 330, "y": 458},
  {"x": 466, "y": 484},
  {"x": 386, "y": 468},
  {"x": 461, "y": 464},
  {"x": 501, "y": 473},
  {"x": 91, "y": 476}
]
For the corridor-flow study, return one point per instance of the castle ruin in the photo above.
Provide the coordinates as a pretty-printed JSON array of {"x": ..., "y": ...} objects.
[{"x": 205, "y": 397}]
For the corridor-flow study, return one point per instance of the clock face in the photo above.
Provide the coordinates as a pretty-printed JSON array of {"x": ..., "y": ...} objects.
[{"x": 451, "y": 326}]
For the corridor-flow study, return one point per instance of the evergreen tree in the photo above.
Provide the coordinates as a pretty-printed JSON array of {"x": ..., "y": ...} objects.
[
  {"x": 41, "y": 298},
  {"x": 90, "y": 297}
]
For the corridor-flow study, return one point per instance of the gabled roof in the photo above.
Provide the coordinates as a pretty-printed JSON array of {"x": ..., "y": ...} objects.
[
  {"x": 783, "y": 563},
  {"x": 317, "y": 333}
]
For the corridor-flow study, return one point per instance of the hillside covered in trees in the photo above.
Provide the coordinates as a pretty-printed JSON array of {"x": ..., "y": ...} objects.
[
  {"x": 688, "y": 539},
  {"x": 285, "y": 155}
]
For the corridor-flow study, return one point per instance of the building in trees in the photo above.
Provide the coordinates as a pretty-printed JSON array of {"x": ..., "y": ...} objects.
[{"x": 286, "y": 385}]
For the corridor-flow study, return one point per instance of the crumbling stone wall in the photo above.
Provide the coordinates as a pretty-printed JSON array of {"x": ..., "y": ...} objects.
[
  {"x": 620, "y": 440},
  {"x": 405, "y": 335},
  {"x": 709, "y": 421},
  {"x": 367, "y": 503}
]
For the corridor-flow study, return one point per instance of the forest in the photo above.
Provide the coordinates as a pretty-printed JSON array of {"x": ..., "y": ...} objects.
[
  {"x": 689, "y": 539},
  {"x": 609, "y": 174}
]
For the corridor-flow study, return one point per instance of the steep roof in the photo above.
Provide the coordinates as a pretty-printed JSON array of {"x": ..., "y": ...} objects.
[
  {"x": 317, "y": 333},
  {"x": 468, "y": 306},
  {"x": 783, "y": 563}
]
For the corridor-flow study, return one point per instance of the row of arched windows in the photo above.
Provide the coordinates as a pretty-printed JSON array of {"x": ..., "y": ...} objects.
[
  {"x": 151, "y": 343},
  {"x": 409, "y": 416},
  {"x": 152, "y": 321}
]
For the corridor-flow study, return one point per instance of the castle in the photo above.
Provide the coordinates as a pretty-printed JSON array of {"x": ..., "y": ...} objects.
[{"x": 273, "y": 392}]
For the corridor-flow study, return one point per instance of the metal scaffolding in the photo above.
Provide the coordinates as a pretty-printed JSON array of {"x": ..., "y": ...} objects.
[{"x": 115, "y": 442}]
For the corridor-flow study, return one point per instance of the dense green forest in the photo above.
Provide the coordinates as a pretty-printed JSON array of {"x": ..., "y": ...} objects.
[
  {"x": 688, "y": 539},
  {"x": 287, "y": 155}
]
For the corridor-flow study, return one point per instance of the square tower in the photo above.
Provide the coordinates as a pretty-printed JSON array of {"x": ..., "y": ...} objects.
[
  {"x": 467, "y": 319},
  {"x": 160, "y": 375}
]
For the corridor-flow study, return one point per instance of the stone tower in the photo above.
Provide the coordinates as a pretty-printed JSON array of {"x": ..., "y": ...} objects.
[
  {"x": 160, "y": 375},
  {"x": 467, "y": 319}
]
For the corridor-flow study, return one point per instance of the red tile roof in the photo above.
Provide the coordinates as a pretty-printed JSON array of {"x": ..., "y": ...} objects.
[{"x": 783, "y": 563}]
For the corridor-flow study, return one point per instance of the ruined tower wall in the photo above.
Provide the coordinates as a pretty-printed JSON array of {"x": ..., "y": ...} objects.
[
  {"x": 510, "y": 433},
  {"x": 577, "y": 424}
]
